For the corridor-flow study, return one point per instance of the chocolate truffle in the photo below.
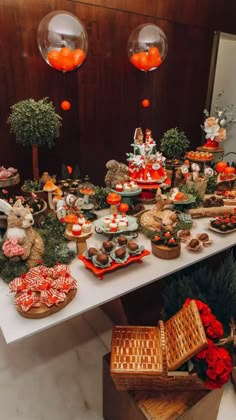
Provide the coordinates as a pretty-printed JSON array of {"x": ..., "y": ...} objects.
[
  {"x": 184, "y": 233},
  {"x": 133, "y": 246},
  {"x": 92, "y": 251},
  {"x": 194, "y": 243},
  {"x": 102, "y": 258},
  {"x": 203, "y": 237},
  {"x": 122, "y": 240},
  {"x": 108, "y": 246},
  {"x": 120, "y": 252}
]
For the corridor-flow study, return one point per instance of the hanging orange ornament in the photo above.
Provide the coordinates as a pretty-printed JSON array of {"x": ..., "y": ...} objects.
[
  {"x": 65, "y": 105},
  {"x": 145, "y": 103}
]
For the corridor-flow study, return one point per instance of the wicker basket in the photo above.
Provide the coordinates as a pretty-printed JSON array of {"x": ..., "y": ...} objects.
[{"x": 147, "y": 358}]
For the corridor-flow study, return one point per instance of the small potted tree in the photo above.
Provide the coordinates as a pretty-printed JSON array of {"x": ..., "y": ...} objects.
[
  {"x": 35, "y": 124},
  {"x": 174, "y": 145}
]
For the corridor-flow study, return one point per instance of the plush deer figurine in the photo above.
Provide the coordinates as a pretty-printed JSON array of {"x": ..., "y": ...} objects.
[
  {"x": 19, "y": 226},
  {"x": 159, "y": 217}
]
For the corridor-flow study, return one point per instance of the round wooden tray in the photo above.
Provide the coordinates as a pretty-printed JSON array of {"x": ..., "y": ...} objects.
[
  {"x": 199, "y": 160},
  {"x": 210, "y": 149},
  {"x": 8, "y": 182},
  {"x": 43, "y": 310},
  {"x": 80, "y": 238},
  {"x": 166, "y": 253}
]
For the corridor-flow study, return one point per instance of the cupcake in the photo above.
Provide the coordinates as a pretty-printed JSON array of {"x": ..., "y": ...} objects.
[
  {"x": 120, "y": 252},
  {"x": 113, "y": 226},
  {"x": 76, "y": 229},
  {"x": 122, "y": 225},
  {"x": 106, "y": 222},
  {"x": 134, "y": 186},
  {"x": 87, "y": 226},
  {"x": 127, "y": 187},
  {"x": 102, "y": 258},
  {"x": 119, "y": 187},
  {"x": 81, "y": 220},
  {"x": 108, "y": 246},
  {"x": 124, "y": 219}
]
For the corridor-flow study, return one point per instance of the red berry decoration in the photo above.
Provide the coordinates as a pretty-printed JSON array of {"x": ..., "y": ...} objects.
[
  {"x": 145, "y": 103},
  {"x": 65, "y": 105}
]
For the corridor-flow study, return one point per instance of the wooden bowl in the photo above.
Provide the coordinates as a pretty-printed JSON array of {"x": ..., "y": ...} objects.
[{"x": 166, "y": 253}]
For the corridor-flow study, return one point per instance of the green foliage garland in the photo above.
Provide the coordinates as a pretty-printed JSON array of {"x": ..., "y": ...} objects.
[
  {"x": 211, "y": 185},
  {"x": 189, "y": 189}
]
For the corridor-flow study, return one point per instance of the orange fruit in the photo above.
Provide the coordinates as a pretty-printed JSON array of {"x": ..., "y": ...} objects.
[
  {"x": 134, "y": 59},
  {"x": 54, "y": 59},
  {"x": 229, "y": 170},
  {"x": 154, "y": 52},
  {"x": 220, "y": 166},
  {"x": 65, "y": 52},
  {"x": 78, "y": 57},
  {"x": 143, "y": 61}
]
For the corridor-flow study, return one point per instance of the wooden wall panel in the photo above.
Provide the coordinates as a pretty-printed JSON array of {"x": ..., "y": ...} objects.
[
  {"x": 217, "y": 14},
  {"x": 105, "y": 92}
]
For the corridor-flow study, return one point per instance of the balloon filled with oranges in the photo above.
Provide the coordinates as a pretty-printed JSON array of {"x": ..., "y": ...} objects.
[
  {"x": 147, "y": 47},
  {"x": 62, "y": 41}
]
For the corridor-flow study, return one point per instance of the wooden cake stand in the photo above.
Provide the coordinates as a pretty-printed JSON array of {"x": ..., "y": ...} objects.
[
  {"x": 81, "y": 244},
  {"x": 217, "y": 152},
  {"x": 166, "y": 253},
  {"x": 127, "y": 196},
  {"x": 210, "y": 149}
]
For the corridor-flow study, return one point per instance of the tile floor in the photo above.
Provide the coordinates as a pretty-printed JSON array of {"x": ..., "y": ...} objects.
[{"x": 57, "y": 374}]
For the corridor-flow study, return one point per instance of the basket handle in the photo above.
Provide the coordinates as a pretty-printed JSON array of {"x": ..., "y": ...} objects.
[{"x": 161, "y": 326}]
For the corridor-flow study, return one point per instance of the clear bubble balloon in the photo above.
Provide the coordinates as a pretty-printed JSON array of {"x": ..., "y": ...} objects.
[
  {"x": 62, "y": 40},
  {"x": 147, "y": 47}
]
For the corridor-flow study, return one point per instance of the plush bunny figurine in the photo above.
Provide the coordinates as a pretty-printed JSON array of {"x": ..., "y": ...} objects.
[{"x": 19, "y": 226}]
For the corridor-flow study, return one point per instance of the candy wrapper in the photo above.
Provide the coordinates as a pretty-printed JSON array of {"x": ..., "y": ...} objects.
[{"x": 27, "y": 300}]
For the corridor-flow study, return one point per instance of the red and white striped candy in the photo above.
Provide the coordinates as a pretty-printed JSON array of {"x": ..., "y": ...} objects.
[{"x": 17, "y": 285}]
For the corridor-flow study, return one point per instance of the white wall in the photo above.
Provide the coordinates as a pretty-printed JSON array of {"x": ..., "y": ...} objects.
[{"x": 225, "y": 79}]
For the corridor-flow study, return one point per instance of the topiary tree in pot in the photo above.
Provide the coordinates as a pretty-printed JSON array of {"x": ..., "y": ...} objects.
[
  {"x": 174, "y": 144},
  {"x": 36, "y": 124}
]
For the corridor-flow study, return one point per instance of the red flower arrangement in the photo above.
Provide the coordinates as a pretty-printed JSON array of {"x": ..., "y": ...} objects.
[{"x": 213, "y": 364}]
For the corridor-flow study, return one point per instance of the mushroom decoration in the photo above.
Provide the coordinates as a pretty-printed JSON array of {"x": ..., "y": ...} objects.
[
  {"x": 113, "y": 199},
  {"x": 123, "y": 208},
  {"x": 50, "y": 187},
  {"x": 70, "y": 219},
  {"x": 57, "y": 196},
  {"x": 87, "y": 192}
]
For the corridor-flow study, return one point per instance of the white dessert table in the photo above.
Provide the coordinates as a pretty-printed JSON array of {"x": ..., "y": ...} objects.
[{"x": 93, "y": 292}]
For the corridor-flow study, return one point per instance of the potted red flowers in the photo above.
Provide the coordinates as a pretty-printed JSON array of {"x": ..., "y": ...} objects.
[{"x": 213, "y": 364}]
